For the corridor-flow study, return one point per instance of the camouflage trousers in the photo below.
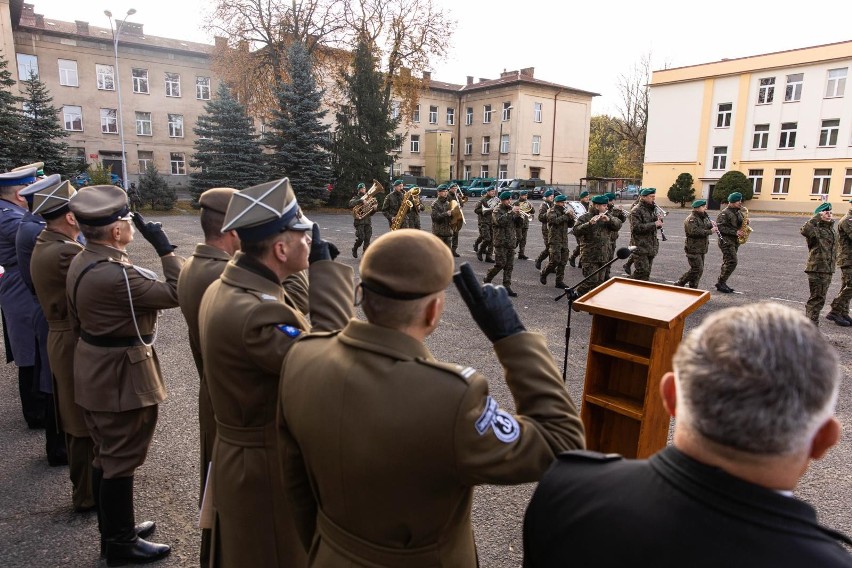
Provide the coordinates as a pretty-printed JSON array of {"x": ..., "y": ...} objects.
[
  {"x": 642, "y": 264},
  {"x": 558, "y": 253},
  {"x": 819, "y": 283},
  {"x": 504, "y": 259},
  {"x": 521, "y": 234},
  {"x": 596, "y": 280},
  {"x": 576, "y": 252},
  {"x": 454, "y": 242},
  {"x": 696, "y": 269},
  {"x": 363, "y": 234},
  {"x": 485, "y": 233},
  {"x": 729, "y": 259},
  {"x": 840, "y": 305}
]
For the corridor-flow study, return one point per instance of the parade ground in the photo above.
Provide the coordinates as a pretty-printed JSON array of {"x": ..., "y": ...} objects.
[{"x": 39, "y": 529}]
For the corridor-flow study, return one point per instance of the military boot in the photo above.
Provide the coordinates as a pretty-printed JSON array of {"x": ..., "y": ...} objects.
[
  {"x": 123, "y": 544},
  {"x": 560, "y": 284},
  {"x": 522, "y": 256},
  {"x": 455, "y": 254},
  {"x": 838, "y": 319},
  {"x": 511, "y": 292},
  {"x": 355, "y": 252},
  {"x": 489, "y": 258}
]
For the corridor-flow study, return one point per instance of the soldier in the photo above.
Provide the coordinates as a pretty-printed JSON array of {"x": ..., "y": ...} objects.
[
  {"x": 546, "y": 204},
  {"x": 840, "y": 305},
  {"x": 16, "y": 299},
  {"x": 613, "y": 212},
  {"x": 698, "y": 226},
  {"x": 629, "y": 264},
  {"x": 559, "y": 219},
  {"x": 396, "y": 490},
  {"x": 461, "y": 199},
  {"x": 117, "y": 379},
  {"x": 595, "y": 229},
  {"x": 247, "y": 323},
  {"x": 524, "y": 227},
  {"x": 413, "y": 216},
  {"x": 392, "y": 203},
  {"x": 364, "y": 225},
  {"x": 822, "y": 255},
  {"x": 644, "y": 223},
  {"x": 485, "y": 218},
  {"x": 507, "y": 219},
  {"x": 202, "y": 269},
  {"x": 730, "y": 225},
  {"x": 584, "y": 200},
  {"x": 441, "y": 218}
]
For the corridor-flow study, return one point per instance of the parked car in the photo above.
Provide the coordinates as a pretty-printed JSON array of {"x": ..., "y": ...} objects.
[
  {"x": 428, "y": 186},
  {"x": 479, "y": 186},
  {"x": 532, "y": 185},
  {"x": 632, "y": 192},
  {"x": 83, "y": 179}
]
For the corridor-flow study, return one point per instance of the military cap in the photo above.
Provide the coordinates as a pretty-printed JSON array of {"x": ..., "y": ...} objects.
[
  {"x": 611, "y": 196},
  {"x": 397, "y": 182},
  {"x": 735, "y": 196},
  {"x": 505, "y": 195},
  {"x": 100, "y": 205},
  {"x": 647, "y": 191},
  {"x": 263, "y": 210},
  {"x": 453, "y": 185},
  {"x": 52, "y": 201},
  {"x": 524, "y": 192},
  {"x": 393, "y": 265},
  {"x": 39, "y": 166},
  {"x": 600, "y": 199},
  {"x": 560, "y": 198},
  {"x": 444, "y": 188},
  {"x": 548, "y": 193},
  {"x": 583, "y": 194},
  {"x": 699, "y": 203},
  {"x": 823, "y": 207},
  {"x": 361, "y": 185},
  {"x": 38, "y": 185},
  {"x": 18, "y": 176},
  {"x": 217, "y": 199}
]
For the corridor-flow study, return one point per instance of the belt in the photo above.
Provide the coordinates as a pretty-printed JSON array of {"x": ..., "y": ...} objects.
[
  {"x": 243, "y": 436},
  {"x": 107, "y": 341}
]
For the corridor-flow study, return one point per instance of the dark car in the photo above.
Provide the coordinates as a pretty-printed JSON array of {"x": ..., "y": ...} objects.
[
  {"x": 428, "y": 186},
  {"x": 83, "y": 179},
  {"x": 478, "y": 186},
  {"x": 533, "y": 186}
]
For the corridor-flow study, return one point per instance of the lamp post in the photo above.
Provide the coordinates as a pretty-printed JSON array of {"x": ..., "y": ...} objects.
[
  {"x": 500, "y": 142},
  {"x": 115, "y": 35}
]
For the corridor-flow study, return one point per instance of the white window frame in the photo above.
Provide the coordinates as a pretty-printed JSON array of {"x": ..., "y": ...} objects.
[
  {"x": 175, "y": 125},
  {"x": 142, "y": 121},
  {"x": 105, "y": 77},
  {"x": 71, "y": 115},
  {"x": 537, "y": 112},
  {"x": 483, "y": 171},
  {"x": 140, "y": 83},
  {"x": 202, "y": 88},
  {"x": 760, "y": 139},
  {"x": 452, "y": 148},
  {"x": 536, "y": 145},
  {"x": 468, "y": 117},
  {"x": 143, "y": 162},
  {"x": 486, "y": 114},
  {"x": 793, "y": 91},
  {"x": 829, "y": 133},
  {"x": 766, "y": 91},
  {"x": 720, "y": 157},
  {"x": 467, "y": 172},
  {"x": 847, "y": 183},
  {"x": 27, "y": 64},
  {"x": 504, "y": 144},
  {"x": 503, "y": 173},
  {"x": 506, "y": 115},
  {"x": 433, "y": 114},
  {"x": 172, "y": 83},
  {"x": 109, "y": 121},
  {"x": 68, "y": 76},
  {"x": 416, "y": 116},
  {"x": 415, "y": 144},
  {"x": 177, "y": 163},
  {"x": 781, "y": 182},
  {"x": 486, "y": 146},
  {"x": 835, "y": 82},
  {"x": 723, "y": 115},
  {"x": 822, "y": 181},
  {"x": 468, "y": 146},
  {"x": 756, "y": 178},
  {"x": 398, "y": 141},
  {"x": 451, "y": 116},
  {"x": 787, "y": 139}
]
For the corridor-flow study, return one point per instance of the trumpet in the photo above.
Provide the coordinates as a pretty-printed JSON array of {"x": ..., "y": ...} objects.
[
  {"x": 368, "y": 201},
  {"x": 660, "y": 212}
]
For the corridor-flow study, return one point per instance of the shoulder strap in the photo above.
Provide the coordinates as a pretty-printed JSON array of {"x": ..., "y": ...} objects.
[{"x": 80, "y": 278}]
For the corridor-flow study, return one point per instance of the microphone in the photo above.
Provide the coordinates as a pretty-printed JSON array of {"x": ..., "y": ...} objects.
[{"x": 624, "y": 252}]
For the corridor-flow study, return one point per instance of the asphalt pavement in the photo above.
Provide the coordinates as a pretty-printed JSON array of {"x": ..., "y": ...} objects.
[{"x": 38, "y": 527}]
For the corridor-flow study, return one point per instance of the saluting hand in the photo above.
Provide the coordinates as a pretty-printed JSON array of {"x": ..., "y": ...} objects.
[
  {"x": 490, "y": 306},
  {"x": 154, "y": 234},
  {"x": 320, "y": 249}
]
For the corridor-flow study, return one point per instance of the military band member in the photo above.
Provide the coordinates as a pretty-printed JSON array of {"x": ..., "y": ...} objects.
[
  {"x": 396, "y": 490},
  {"x": 585, "y": 200},
  {"x": 524, "y": 227},
  {"x": 456, "y": 194},
  {"x": 840, "y": 305},
  {"x": 730, "y": 225},
  {"x": 506, "y": 221},
  {"x": 698, "y": 227},
  {"x": 247, "y": 323},
  {"x": 413, "y": 216},
  {"x": 628, "y": 266},
  {"x": 613, "y": 212},
  {"x": 441, "y": 216},
  {"x": 595, "y": 229},
  {"x": 485, "y": 218},
  {"x": 117, "y": 379},
  {"x": 392, "y": 203},
  {"x": 644, "y": 225},
  {"x": 546, "y": 204},
  {"x": 560, "y": 218},
  {"x": 822, "y": 239},
  {"x": 364, "y": 225}
]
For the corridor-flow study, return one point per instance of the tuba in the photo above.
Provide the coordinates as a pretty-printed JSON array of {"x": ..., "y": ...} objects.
[
  {"x": 491, "y": 205},
  {"x": 369, "y": 203},
  {"x": 411, "y": 197},
  {"x": 526, "y": 209},
  {"x": 747, "y": 230}
]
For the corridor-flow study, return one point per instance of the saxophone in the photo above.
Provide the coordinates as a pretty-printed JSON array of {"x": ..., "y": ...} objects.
[
  {"x": 411, "y": 196},
  {"x": 747, "y": 230}
]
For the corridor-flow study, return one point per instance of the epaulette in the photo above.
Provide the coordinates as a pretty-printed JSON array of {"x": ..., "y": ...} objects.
[
  {"x": 588, "y": 456},
  {"x": 462, "y": 372},
  {"x": 263, "y": 296},
  {"x": 319, "y": 334},
  {"x": 120, "y": 262}
]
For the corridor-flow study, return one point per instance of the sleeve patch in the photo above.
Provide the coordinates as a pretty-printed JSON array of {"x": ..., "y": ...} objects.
[
  {"x": 504, "y": 425},
  {"x": 289, "y": 330}
]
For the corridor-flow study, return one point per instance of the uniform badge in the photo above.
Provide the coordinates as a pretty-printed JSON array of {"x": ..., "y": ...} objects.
[
  {"x": 289, "y": 330},
  {"x": 504, "y": 425}
]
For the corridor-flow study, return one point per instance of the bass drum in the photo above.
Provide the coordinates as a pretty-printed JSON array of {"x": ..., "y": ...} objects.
[{"x": 577, "y": 207}]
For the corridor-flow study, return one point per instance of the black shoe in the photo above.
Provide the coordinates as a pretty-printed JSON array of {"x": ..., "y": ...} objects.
[
  {"x": 489, "y": 259},
  {"x": 849, "y": 319},
  {"x": 355, "y": 252},
  {"x": 523, "y": 257},
  {"x": 123, "y": 544},
  {"x": 679, "y": 284},
  {"x": 627, "y": 269},
  {"x": 455, "y": 254},
  {"x": 580, "y": 264},
  {"x": 572, "y": 262},
  {"x": 58, "y": 459},
  {"x": 543, "y": 278},
  {"x": 560, "y": 285},
  {"x": 136, "y": 551},
  {"x": 722, "y": 287},
  {"x": 512, "y": 293},
  {"x": 538, "y": 264},
  {"x": 143, "y": 530},
  {"x": 838, "y": 319},
  {"x": 479, "y": 256}
]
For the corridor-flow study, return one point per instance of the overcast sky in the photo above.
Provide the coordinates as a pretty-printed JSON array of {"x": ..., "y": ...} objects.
[{"x": 582, "y": 45}]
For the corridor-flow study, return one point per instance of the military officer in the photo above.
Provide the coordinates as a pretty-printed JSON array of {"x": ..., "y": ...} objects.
[
  {"x": 117, "y": 379},
  {"x": 392, "y": 203},
  {"x": 585, "y": 201},
  {"x": 247, "y": 323},
  {"x": 560, "y": 218},
  {"x": 840, "y": 305},
  {"x": 457, "y": 195},
  {"x": 595, "y": 229},
  {"x": 441, "y": 216},
  {"x": 698, "y": 227},
  {"x": 613, "y": 212},
  {"x": 822, "y": 239},
  {"x": 55, "y": 248},
  {"x": 524, "y": 227},
  {"x": 484, "y": 215},
  {"x": 396, "y": 489},
  {"x": 730, "y": 225},
  {"x": 546, "y": 204},
  {"x": 364, "y": 225},
  {"x": 506, "y": 221},
  {"x": 644, "y": 223}
]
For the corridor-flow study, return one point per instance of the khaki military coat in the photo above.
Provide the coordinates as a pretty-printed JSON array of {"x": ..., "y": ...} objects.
[
  {"x": 49, "y": 265},
  {"x": 247, "y": 324},
  {"x": 729, "y": 221},
  {"x": 844, "y": 234},
  {"x": 643, "y": 229},
  {"x": 698, "y": 228},
  {"x": 596, "y": 238},
  {"x": 822, "y": 245},
  {"x": 441, "y": 217},
  {"x": 542, "y": 218},
  {"x": 382, "y": 444},
  {"x": 505, "y": 222},
  {"x": 559, "y": 220}
]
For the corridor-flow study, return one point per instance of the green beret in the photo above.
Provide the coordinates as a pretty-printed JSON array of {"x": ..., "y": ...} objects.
[
  {"x": 393, "y": 265},
  {"x": 397, "y": 182},
  {"x": 548, "y": 193},
  {"x": 647, "y": 191},
  {"x": 360, "y": 185},
  {"x": 217, "y": 199},
  {"x": 524, "y": 192},
  {"x": 600, "y": 199},
  {"x": 560, "y": 197},
  {"x": 583, "y": 194},
  {"x": 611, "y": 196},
  {"x": 445, "y": 188},
  {"x": 735, "y": 196},
  {"x": 452, "y": 185},
  {"x": 699, "y": 203},
  {"x": 505, "y": 195},
  {"x": 823, "y": 207}
]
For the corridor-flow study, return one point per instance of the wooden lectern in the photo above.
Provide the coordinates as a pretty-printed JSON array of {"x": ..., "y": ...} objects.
[{"x": 636, "y": 328}]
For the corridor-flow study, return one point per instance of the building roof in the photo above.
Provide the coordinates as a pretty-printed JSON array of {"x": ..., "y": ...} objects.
[{"x": 506, "y": 78}]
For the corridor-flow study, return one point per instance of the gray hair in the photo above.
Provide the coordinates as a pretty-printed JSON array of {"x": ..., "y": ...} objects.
[{"x": 760, "y": 379}]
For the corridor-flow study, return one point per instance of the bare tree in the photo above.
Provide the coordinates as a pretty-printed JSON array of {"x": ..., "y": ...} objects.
[{"x": 633, "y": 110}]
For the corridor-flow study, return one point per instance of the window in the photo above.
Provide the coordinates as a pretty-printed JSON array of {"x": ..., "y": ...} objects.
[
  {"x": 452, "y": 171},
  {"x": 756, "y": 179},
  {"x": 143, "y": 123},
  {"x": 452, "y": 148},
  {"x": 468, "y": 118},
  {"x": 536, "y": 112},
  {"x": 504, "y": 144},
  {"x": 766, "y": 93},
  {"x": 415, "y": 143},
  {"x": 507, "y": 111},
  {"x": 761, "y": 137},
  {"x": 793, "y": 92},
  {"x": 782, "y": 182},
  {"x": 828, "y": 133},
  {"x": 468, "y": 146},
  {"x": 822, "y": 181},
  {"x": 451, "y": 116},
  {"x": 106, "y": 77},
  {"x": 202, "y": 88},
  {"x": 394, "y": 110},
  {"x": 177, "y": 161},
  {"x": 847, "y": 183},
  {"x": 486, "y": 145},
  {"x": 486, "y": 114},
  {"x": 68, "y": 73},
  {"x": 467, "y": 172},
  {"x": 433, "y": 114},
  {"x": 398, "y": 141},
  {"x": 416, "y": 117},
  {"x": 503, "y": 173},
  {"x": 720, "y": 157},
  {"x": 788, "y": 135},
  {"x": 536, "y": 145},
  {"x": 140, "y": 81},
  {"x": 483, "y": 171},
  {"x": 73, "y": 118},
  {"x": 834, "y": 87},
  {"x": 723, "y": 116},
  {"x": 172, "y": 84},
  {"x": 145, "y": 159},
  {"x": 27, "y": 66},
  {"x": 109, "y": 122},
  {"x": 176, "y": 125}
]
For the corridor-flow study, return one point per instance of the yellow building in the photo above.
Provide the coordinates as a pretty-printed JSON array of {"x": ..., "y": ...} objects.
[{"x": 783, "y": 119}]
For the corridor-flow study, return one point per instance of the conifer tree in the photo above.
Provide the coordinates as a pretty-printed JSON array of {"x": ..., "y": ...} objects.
[
  {"x": 10, "y": 119},
  {"x": 41, "y": 136},
  {"x": 298, "y": 137},
  {"x": 228, "y": 152},
  {"x": 154, "y": 191}
]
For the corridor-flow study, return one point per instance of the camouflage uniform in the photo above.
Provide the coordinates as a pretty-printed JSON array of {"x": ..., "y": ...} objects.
[
  {"x": 542, "y": 217},
  {"x": 506, "y": 223},
  {"x": 455, "y": 238},
  {"x": 559, "y": 220},
  {"x": 840, "y": 305},
  {"x": 441, "y": 221},
  {"x": 595, "y": 245},
  {"x": 412, "y": 218},
  {"x": 616, "y": 213},
  {"x": 698, "y": 229},
  {"x": 576, "y": 252},
  {"x": 485, "y": 229},
  {"x": 822, "y": 256},
  {"x": 363, "y": 227},
  {"x": 522, "y": 231},
  {"x": 643, "y": 235},
  {"x": 729, "y": 221},
  {"x": 391, "y": 206}
]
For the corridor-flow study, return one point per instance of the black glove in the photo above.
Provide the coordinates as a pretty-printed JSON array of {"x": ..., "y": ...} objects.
[
  {"x": 489, "y": 305},
  {"x": 320, "y": 249},
  {"x": 154, "y": 234}
]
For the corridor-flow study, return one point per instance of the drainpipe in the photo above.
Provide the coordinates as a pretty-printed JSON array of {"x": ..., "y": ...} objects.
[
  {"x": 553, "y": 136},
  {"x": 458, "y": 139}
]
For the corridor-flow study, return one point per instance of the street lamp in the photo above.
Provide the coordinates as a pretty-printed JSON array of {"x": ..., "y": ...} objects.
[
  {"x": 115, "y": 35},
  {"x": 500, "y": 140}
]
